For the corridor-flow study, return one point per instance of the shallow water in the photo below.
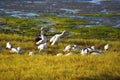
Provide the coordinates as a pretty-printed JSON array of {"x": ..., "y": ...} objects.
[{"x": 93, "y": 21}]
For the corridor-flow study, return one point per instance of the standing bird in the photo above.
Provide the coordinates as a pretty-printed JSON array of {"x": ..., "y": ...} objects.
[
  {"x": 41, "y": 38},
  {"x": 8, "y": 45},
  {"x": 41, "y": 44},
  {"x": 56, "y": 38},
  {"x": 106, "y": 47}
]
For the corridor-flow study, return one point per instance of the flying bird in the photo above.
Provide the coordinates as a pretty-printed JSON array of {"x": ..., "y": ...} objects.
[{"x": 56, "y": 38}]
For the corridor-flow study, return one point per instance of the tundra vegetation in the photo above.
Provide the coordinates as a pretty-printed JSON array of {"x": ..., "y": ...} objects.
[{"x": 46, "y": 65}]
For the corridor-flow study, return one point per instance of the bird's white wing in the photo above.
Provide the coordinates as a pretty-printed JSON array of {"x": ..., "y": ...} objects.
[
  {"x": 42, "y": 46},
  {"x": 67, "y": 48},
  {"x": 52, "y": 39},
  {"x": 39, "y": 42}
]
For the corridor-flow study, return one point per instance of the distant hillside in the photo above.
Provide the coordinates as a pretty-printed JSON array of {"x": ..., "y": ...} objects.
[{"x": 63, "y": 6}]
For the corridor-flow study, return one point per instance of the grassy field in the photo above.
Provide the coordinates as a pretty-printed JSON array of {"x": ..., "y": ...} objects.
[{"x": 48, "y": 66}]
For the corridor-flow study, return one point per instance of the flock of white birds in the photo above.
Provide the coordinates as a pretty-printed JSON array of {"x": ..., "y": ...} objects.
[
  {"x": 85, "y": 51},
  {"x": 68, "y": 50}
]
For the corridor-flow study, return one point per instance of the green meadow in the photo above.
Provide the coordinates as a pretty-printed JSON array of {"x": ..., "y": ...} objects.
[{"x": 46, "y": 65}]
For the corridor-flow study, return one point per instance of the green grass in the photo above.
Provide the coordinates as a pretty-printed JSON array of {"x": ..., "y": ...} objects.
[
  {"x": 64, "y": 21},
  {"x": 101, "y": 15},
  {"x": 47, "y": 66},
  {"x": 25, "y": 26}
]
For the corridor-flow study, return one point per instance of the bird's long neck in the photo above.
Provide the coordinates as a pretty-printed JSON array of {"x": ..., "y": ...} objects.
[
  {"x": 42, "y": 35},
  {"x": 62, "y": 34},
  {"x": 42, "y": 32}
]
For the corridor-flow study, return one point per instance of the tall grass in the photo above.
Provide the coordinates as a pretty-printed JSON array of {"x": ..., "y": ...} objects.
[{"x": 60, "y": 68}]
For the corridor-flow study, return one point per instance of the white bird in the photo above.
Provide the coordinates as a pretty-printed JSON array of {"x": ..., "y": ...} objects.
[
  {"x": 56, "y": 38},
  {"x": 106, "y": 47},
  {"x": 42, "y": 38},
  {"x": 16, "y": 50},
  {"x": 19, "y": 50},
  {"x": 13, "y": 50},
  {"x": 31, "y": 53},
  {"x": 68, "y": 48},
  {"x": 8, "y": 45},
  {"x": 42, "y": 47},
  {"x": 91, "y": 48},
  {"x": 85, "y": 51},
  {"x": 75, "y": 47}
]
